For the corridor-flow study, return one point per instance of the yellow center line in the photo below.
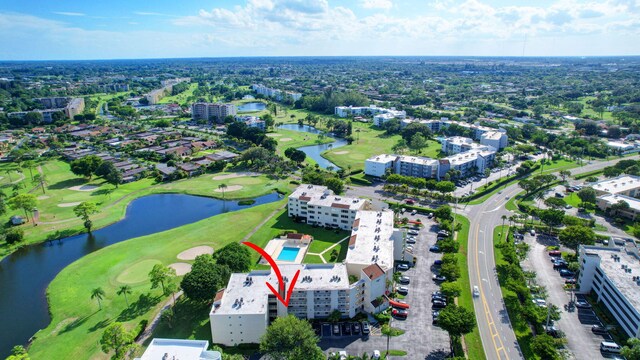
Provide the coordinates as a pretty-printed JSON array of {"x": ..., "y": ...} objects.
[{"x": 492, "y": 327}]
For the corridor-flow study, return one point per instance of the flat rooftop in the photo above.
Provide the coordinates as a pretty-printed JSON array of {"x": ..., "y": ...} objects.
[
  {"x": 370, "y": 240},
  {"x": 619, "y": 184},
  {"x": 492, "y": 135},
  {"x": 317, "y": 195},
  {"x": 622, "y": 279},
  {"x": 467, "y": 156},
  {"x": 247, "y": 293},
  {"x": 459, "y": 140},
  {"x": 179, "y": 350},
  {"x": 419, "y": 160},
  {"x": 613, "y": 199},
  {"x": 382, "y": 158}
]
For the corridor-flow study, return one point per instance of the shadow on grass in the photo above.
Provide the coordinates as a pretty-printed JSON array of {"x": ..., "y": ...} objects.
[
  {"x": 75, "y": 323},
  {"x": 61, "y": 234},
  {"x": 140, "y": 307},
  {"x": 67, "y": 183},
  {"x": 100, "y": 325},
  {"x": 106, "y": 191}
]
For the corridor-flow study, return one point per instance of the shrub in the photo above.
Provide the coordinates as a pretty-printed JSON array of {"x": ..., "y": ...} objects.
[
  {"x": 14, "y": 235},
  {"x": 246, "y": 202}
]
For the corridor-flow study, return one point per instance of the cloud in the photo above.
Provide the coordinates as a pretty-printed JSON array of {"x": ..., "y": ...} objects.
[
  {"x": 66, "y": 13},
  {"x": 146, "y": 13},
  {"x": 376, "y": 4}
]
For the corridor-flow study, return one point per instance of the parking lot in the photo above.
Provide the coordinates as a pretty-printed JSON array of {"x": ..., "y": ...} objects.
[
  {"x": 422, "y": 340},
  {"x": 576, "y": 323}
]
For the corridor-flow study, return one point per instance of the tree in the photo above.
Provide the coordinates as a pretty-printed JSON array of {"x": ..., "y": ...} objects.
[
  {"x": 84, "y": 210},
  {"x": 334, "y": 184},
  {"x": 204, "y": 279},
  {"x": 29, "y": 165},
  {"x": 334, "y": 316},
  {"x": 86, "y": 166},
  {"x": 290, "y": 338},
  {"x": 545, "y": 347},
  {"x": 564, "y": 174},
  {"x": 457, "y": 321},
  {"x": 618, "y": 207},
  {"x": 98, "y": 294},
  {"x": 234, "y": 255},
  {"x": 41, "y": 180},
  {"x": 18, "y": 353},
  {"x": 26, "y": 202},
  {"x": 445, "y": 186},
  {"x": 295, "y": 155},
  {"x": 125, "y": 290},
  {"x": 587, "y": 195},
  {"x": 575, "y": 235},
  {"x": 117, "y": 338},
  {"x": 450, "y": 289},
  {"x": 161, "y": 275},
  {"x": 108, "y": 171},
  {"x": 443, "y": 213},
  {"x": 555, "y": 203},
  {"x": 418, "y": 142},
  {"x": 222, "y": 187},
  {"x": 632, "y": 350},
  {"x": 268, "y": 120}
]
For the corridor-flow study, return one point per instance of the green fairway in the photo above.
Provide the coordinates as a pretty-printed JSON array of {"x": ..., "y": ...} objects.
[
  {"x": 182, "y": 98},
  {"x": 295, "y": 139},
  {"x": 57, "y": 218},
  {"x": 77, "y": 324}
]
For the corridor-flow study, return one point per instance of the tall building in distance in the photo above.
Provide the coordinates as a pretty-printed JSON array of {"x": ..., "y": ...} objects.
[
  {"x": 212, "y": 111},
  {"x": 276, "y": 94}
]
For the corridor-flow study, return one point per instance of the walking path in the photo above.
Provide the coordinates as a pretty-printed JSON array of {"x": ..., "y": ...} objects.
[
  {"x": 255, "y": 229},
  {"x": 327, "y": 249},
  {"x": 156, "y": 320}
]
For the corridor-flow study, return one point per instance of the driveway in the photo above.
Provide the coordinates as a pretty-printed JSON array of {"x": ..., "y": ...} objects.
[
  {"x": 422, "y": 340},
  {"x": 576, "y": 325}
]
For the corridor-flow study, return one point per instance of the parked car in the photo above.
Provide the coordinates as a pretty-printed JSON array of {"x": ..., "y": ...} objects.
[
  {"x": 439, "y": 278},
  {"x": 411, "y": 241},
  {"x": 599, "y": 329},
  {"x": 355, "y": 328},
  {"x": 403, "y": 267},
  {"x": 439, "y": 298},
  {"x": 401, "y": 313},
  {"x": 532, "y": 232},
  {"x": 434, "y": 248},
  {"x": 559, "y": 265},
  {"x": 412, "y": 232},
  {"x": 343, "y": 355},
  {"x": 404, "y": 280},
  {"x": 437, "y": 263},
  {"x": 540, "y": 302},
  {"x": 437, "y": 293},
  {"x": 566, "y": 273},
  {"x": 413, "y": 212},
  {"x": 376, "y": 355},
  {"x": 365, "y": 328},
  {"x": 581, "y": 304},
  {"x": 336, "y": 329},
  {"x": 555, "y": 253},
  {"x": 570, "y": 281},
  {"x": 430, "y": 215},
  {"x": 346, "y": 329},
  {"x": 444, "y": 232},
  {"x": 402, "y": 290},
  {"x": 438, "y": 304}
]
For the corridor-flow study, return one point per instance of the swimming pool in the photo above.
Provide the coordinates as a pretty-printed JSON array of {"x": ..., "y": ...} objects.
[{"x": 288, "y": 254}]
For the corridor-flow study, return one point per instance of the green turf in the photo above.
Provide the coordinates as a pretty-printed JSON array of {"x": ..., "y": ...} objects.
[
  {"x": 312, "y": 259},
  {"x": 77, "y": 324},
  {"x": 182, "y": 98},
  {"x": 137, "y": 272}
]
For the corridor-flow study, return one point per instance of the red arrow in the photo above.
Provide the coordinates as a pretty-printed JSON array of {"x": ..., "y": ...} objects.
[{"x": 276, "y": 269}]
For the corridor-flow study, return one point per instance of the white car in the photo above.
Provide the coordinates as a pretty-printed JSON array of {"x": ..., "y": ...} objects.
[
  {"x": 476, "y": 291},
  {"x": 376, "y": 354},
  {"x": 343, "y": 355}
]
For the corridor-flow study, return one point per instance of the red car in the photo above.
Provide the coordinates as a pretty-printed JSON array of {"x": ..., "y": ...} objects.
[
  {"x": 400, "y": 313},
  {"x": 555, "y": 253}
]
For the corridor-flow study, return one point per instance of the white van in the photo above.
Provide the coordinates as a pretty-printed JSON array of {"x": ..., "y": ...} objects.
[{"x": 610, "y": 347}]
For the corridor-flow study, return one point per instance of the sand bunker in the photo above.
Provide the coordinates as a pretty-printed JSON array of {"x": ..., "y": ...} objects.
[
  {"x": 341, "y": 152},
  {"x": 286, "y": 139},
  {"x": 190, "y": 254},
  {"x": 84, "y": 188},
  {"x": 229, "y": 188},
  {"x": 69, "y": 204},
  {"x": 274, "y": 135},
  {"x": 181, "y": 268},
  {"x": 234, "y": 175},
  {"x": 43, "y": 197}
]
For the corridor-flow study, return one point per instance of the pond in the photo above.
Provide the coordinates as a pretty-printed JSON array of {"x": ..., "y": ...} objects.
[
  {"x": 314, "y": 151},
  {"x": 252, "y": 106},
  {"x": 25, "y": 274}
]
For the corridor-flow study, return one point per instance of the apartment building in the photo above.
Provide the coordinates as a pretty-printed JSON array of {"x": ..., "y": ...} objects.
[
  {"x": 477, "y": 131},
  {"x": 177, "y": 349},
  {"x": 627, "y": 185},
  {"x": 379, "y": 165},
  {"x": 613, "y": 274},
  {"x": 317, "y": 205},
  {"x": 468, "y": 163},
  {"x": 457, "y": 144},
  {"x": 52, "y": 102},
  {"x": 604, "y": 202},
  {"x": 74, "y": 107},
  {"x": 495, "y": 139},
  {"x": 279, "y": 95},
  {"x": 212, "y": 111},
  {"x": 244, "y": 309},
  {"x": 380, "y": 115},
  {"x": 252, "y": 121}
]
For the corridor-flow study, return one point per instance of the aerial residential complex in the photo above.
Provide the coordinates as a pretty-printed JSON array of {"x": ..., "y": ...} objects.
[
  {"x": 468, "y": 158},
  {"x": 380, "y": 115},
  {"x": 613, "y": 274},
  {"x": 212, "y": 111},
  {"x": 175, "y": 349},
  {"x": 622, "y": 188},
  {"x": 243, "y": 310},
  {"x": 275, "y": 93},
  {"x": 69, "y": 106}
]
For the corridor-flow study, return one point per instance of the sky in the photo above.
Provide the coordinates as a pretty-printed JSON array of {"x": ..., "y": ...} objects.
[{"x": 128, "y": 29}]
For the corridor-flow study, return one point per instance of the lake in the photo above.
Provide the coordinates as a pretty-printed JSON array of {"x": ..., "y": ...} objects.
[
  {"x": 314, "y": 151},
  {"x": 252, "y": 106}
]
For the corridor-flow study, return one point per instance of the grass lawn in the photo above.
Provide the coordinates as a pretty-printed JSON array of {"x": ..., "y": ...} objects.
[
  {"x": 472, "y": 340},
  {"x": 557, "y": 165},
  {"x": 296, "y": 139},
  {"x": 77, "y": 324},
  {"x": 573, "y": 200},
  {"x": 101, "y": 99},
  {"x": 369, "y": 141},
  {"x": 589, "y": 111},
  {"x": 519, "y": 324},
  {"x": 60, "y": 221},
  {"x": 322, "y": 239},
  {"x": 180, "y": 98}
]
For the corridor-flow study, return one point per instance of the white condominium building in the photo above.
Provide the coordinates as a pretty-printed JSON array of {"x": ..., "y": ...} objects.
[
  {"x": 208, "y": 111},
  {"x": 627, "y": 185},
  {"x": 380, "y": 115},
  {"x": 496, "y": 139},
  {"x": 275, "y": 93},
  {"x": 468, "y": 163},
  {"x": 457, "y": 144},
  {"x": 477, "y": 131},
  {"x": 319, "y": 206},
  {"x": 178, "y": 349},
  {"x": 613, "y": 274},
  {"x": 604, "y": 202}
]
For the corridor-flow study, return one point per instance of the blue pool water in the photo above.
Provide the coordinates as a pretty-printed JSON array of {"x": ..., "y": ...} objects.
[{"x": 288, "y": 254}]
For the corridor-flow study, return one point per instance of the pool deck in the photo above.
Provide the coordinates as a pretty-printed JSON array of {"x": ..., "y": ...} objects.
[{"x": 274, "y": 247}]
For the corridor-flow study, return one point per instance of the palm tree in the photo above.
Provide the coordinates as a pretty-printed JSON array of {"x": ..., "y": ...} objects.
[
  {"x": 539, "y": 196},
  {"x": 222, "y": 188},
  {"x": 41, "y": 180},
  {"x": 124, "y": 290},
  {"x": 98, "y": 294}
]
